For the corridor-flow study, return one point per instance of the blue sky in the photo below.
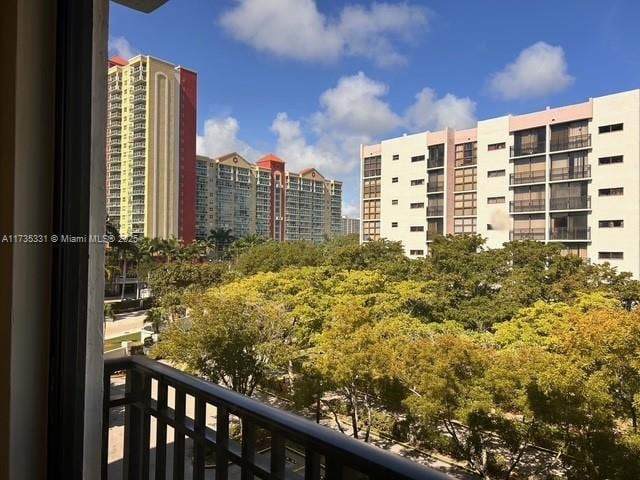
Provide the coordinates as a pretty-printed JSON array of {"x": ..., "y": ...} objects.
[{"x": 312, "y": 79}]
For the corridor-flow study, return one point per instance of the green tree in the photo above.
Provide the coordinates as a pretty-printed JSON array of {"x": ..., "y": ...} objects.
[
  {"x": 221, "y": 238},
  {"x": 229, "y": 338}
]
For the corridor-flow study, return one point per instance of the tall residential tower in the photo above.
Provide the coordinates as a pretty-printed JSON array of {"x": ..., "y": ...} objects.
[
  {"x": 569, "y": 175},
  {"x": 151, "y": 148}
]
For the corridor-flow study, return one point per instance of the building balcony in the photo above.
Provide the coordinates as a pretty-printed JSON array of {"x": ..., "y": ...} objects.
[
  {"x": 435, "y": 163},
  {"x": 530, "y": 205},
  {"x": 570, "y": 203},
  {"x": 139, "y": 98},
  {"x": 431, "y": 234},
  {"x": 435, "y": 186},
  {"x": 520, "y": 178},
  {"x": 570, "y": 233},
  {"x": 570, "y": 143},
  {"x": 570, "y": 173},
  {"x": 138, "y": 126},
  {"x": 435, "y": 210},
  {"x": 526, "y": 149},
  {"x": 527, "y": 234},
  {"x": 292, "y": 447},
  {"x": 115, "y": 106}
]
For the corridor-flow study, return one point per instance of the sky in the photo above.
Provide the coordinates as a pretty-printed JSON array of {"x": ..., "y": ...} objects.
[{"x": 311, "y": 80}]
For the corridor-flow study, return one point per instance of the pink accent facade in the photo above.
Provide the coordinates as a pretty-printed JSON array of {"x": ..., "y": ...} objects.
[{"x": 580, "y": 111}]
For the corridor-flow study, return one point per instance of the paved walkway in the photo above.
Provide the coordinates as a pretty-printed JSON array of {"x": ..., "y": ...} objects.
[{"x": 125, "y": 324}]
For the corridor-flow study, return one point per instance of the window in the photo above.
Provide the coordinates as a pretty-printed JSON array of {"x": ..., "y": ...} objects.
[
  {"x": 417, "y": 228},
  {"x": 394, "y": 202},
  {"x": 611, "y": 223},
  {"x": 495, "y": 173},
  {"x": 394, "y": 180},
  {"x": 394, "y": 224},
  {"x": 464, "y": 204},
  {"x": 371, "y": 188},
  {"x": 371, "y": 167},
  {"x": 396, "y": 157},
  {"x": 493, "y": 200},
  {"x": 419, "y": 181},
  {"x": 496, "y": 146},
  {"x": 610, "y": 160},
  {"x": 465, "y": 179},
  {"x": 466, "y": 154},
  {"x": 464, "y": 225},
  {"x": 417, "y": 205},
  {"x": 418, "y": 158},
  {"x": 371, "y": 230},
  {"x": 611, "y": 192},
  {"x": 616, "y": 127},
  {"x": 416, "y": 252},
  {"x": 610, "y": 255},
  {"x": 371, "y": 209}
]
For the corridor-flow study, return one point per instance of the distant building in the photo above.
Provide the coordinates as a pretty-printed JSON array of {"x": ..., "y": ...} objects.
[
  {"x": 566, "y": 175},
  {"x": 265, "y": 199},
  {"x": 151, "y": 148},
  {"x": 350, "y": 226}
]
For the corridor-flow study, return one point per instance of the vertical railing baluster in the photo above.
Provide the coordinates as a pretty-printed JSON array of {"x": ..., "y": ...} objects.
[
  {"x": 248, "y": 448},
  {"x": 106, "y": 411},
  {"x": 333, "y": 468},
  {"x": 198, "y": 444},
  {"x": 222, "y": 443},
  {"x": 161, "y": 431},
  {"x": 146, "y": 423},
  {"x": 178, "y": 440},
  {"x": 278, "y": 454},
  {"x": 311, "y": 464},
  {"x": 136, "y": 426}
]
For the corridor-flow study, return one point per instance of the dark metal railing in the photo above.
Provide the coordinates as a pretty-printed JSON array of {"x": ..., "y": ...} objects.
[
  {"x": 435, "y": 210},
  {"x": 528, "y": 148},
  {"x": 435, "y": 186},
  {"x": 569, "y": 143},
  {"x": 435, "y": 163},
  {"x": 319, "y": 451},
  {"x": 527, "y": 177},
  {"x": 570, "y": 233},
  {"x": 530, "y": 205},
  {"x": 526, "y": 234},
  {"x": 570, "y": 203},
  {"x": 431, "y": 234},
  {"x": 568, "y": 173}
]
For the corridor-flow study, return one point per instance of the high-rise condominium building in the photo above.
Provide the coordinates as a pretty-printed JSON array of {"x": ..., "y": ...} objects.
[
  {"x": 266, "y": 199},
  {"x": 350, "y": 226},
  {"x": 569, "y": 175},
  {"x": 151, "y": 148}
]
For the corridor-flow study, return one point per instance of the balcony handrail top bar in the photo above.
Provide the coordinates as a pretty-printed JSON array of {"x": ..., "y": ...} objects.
[
  {"x": 582, "y": 140},
  {"x": 358, "y": 454}
]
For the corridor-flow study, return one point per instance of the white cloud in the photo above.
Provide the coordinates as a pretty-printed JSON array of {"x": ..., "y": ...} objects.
[
  {"x": 308, "y": 35},
  {"x": 539, "y": 70},
  {"x": 432, "y": 113},
  {"x": 221, "y": 137},
  {"x": 121, "y": 46},
  {"x": 351, "y": 210}
]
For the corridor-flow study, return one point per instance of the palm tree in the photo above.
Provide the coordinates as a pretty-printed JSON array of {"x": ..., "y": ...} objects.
[
  {"x": 221, "y": 238},
  {"x": 246, "y": 243},
  {"x": 126, "y": 250}
]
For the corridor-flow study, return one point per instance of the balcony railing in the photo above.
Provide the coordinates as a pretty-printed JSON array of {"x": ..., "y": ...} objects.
[
  {"x": 569, "y": 173},
  {"x": 570, "y": 233},
  {"x": 529, "y": 148},
  {"x": 431, "y": 234},
  {"x": 435, "y": 210},
  {"x": 570, "y": 203},
  {"x": 530, "y": 205},
  {"x": 293, "y": 442},
  {"x": 435, "y": 163},
  {"x": 569, "y": 143},
  {"x": 526, "y": 234},
  {"x": 435, "y": 186},
  {"x": 527, "y": 177}
]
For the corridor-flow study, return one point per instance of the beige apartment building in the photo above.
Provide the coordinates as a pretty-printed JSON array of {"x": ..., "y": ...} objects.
[
  {"x": 569, "y": 175},
  {"x": 265, "y": 199}
]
